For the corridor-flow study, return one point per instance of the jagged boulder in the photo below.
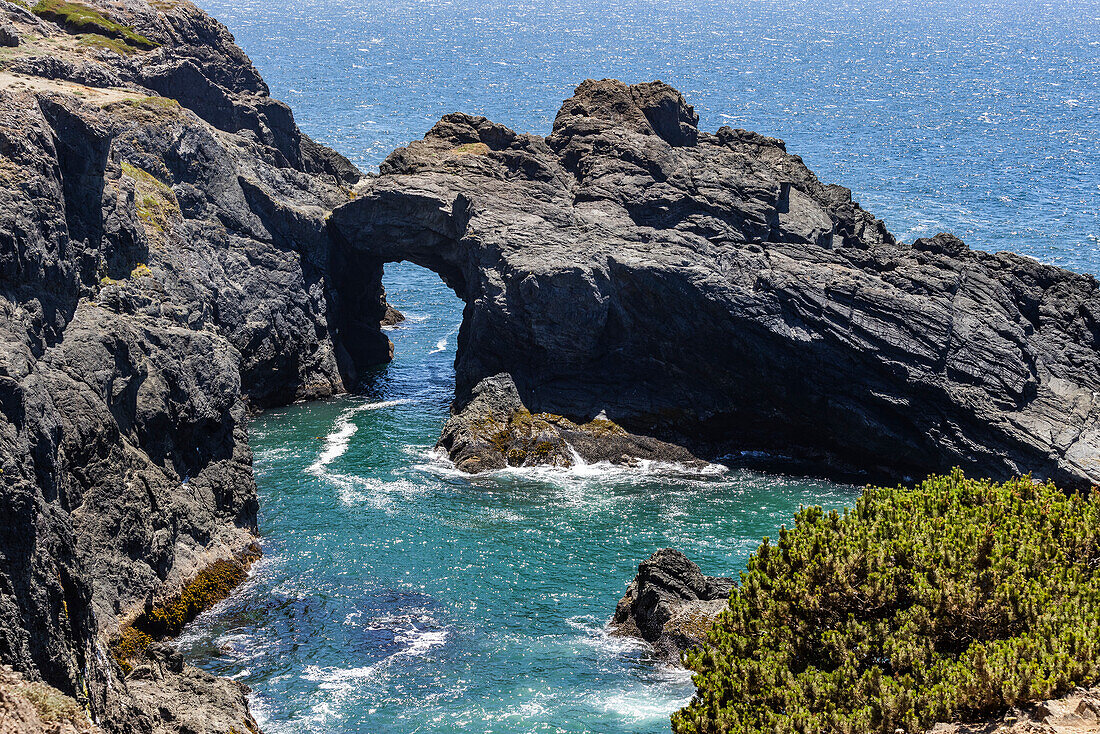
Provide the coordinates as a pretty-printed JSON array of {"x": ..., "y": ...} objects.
[
  {"x": 495, "y": 430},
  {"x": 708, "y": 290},
  {"x": 670, "y": 603}
]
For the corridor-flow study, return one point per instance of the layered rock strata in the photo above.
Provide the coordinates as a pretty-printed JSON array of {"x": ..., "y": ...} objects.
[
  {"x": 670, "y": 604},
  {"x": 708, "y": 290},
  {"x": 163, "y": 256}
]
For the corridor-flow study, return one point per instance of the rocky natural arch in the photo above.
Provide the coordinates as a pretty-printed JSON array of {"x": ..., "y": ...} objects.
[{"x": 709, "y": 290}]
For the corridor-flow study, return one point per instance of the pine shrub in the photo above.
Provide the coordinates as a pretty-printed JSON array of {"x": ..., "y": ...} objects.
[{"x": 945, "y": 602}]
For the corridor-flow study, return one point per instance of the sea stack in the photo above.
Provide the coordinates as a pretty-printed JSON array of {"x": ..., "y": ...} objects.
[{"x": 670, "y": 604}]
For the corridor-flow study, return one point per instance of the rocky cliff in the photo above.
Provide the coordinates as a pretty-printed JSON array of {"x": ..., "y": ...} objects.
[
  {"x": 163, "y": 251},
  {"x": 708, "y": 290}
]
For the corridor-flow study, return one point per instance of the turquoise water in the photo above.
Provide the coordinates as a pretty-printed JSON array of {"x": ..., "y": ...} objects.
[{"x": 398, "y": 596}]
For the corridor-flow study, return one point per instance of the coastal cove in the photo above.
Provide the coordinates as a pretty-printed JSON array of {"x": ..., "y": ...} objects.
[
  {"x": 399, "y": 596},
  {"x": 353, "y": 377}
]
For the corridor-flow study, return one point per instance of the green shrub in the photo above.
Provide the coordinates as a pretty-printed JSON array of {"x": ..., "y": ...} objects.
[
  {"x": 80, "y": 18},
  {"x": 945, "y": 602}
]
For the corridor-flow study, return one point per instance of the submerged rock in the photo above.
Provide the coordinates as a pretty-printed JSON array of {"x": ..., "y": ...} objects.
[
  {"x": 671, "y": 603},
  {"x": 708, "y": 290}
]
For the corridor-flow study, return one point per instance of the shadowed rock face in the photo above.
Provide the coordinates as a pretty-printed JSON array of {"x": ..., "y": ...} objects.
[
  {"x": 162, "y": 267},
  {"x": 707, "y": 289},
  {"x": 671, "y": 603}
]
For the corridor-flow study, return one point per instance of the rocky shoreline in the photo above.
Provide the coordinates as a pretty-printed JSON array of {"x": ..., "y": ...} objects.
[
  {"x": 163, "y": 257},
  {"x": 175, "y": 254}
]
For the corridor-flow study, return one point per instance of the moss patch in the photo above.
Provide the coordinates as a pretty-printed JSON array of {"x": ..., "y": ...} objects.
[
  {"x": 146, "y": 110},
  {"x": 603, "y": 427},
  {"x": 470, "y": 149},
  {"x": 210, "y": 586},
  {"x": 95, "y": 40},
  {"x": 155, "y": 202},
  {"x": 80, "y": 18},
  {"x": 128, "y": 647}
]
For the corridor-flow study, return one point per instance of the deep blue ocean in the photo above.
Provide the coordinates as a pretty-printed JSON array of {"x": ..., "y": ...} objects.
[{"x": 398, "y": 596}]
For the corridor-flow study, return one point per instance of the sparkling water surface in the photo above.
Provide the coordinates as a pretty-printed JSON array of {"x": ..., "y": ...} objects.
[{"x": 398, "y": 596}]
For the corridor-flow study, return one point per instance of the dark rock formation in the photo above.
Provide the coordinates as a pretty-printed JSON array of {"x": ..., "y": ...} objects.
[
  {"x": 494, "y": 430},
  {"x": 8, "y": 35},
  {"x": 707, "y": 289},
  {"x": 163, "y": 257},
  {"x": 188, "y": 699},
  {"x": 671, "y": 603},
  {"x": 393, "y": 317}
]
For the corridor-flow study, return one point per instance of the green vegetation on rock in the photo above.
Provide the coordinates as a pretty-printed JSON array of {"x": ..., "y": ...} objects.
[
  {"x": 211, "y": 585},
  {"x": 954, "y": 599},
  {"x": 470, "y": 149},
  {"x": 57, "y": 711},
  {"x": 155, "y": 203},
  {"x": 80, "y": 18},
  {"x": 95, "y": 40}
]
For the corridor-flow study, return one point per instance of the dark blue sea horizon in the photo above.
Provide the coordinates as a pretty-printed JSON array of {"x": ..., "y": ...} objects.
[{"x": 979, "y": 118}]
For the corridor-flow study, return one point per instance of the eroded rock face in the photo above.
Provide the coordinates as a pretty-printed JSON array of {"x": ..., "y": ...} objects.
[
  {"x": 707, "y": 289},
  {"x": 163, "y": 258},
  {"x": 671, "y": 603},
  {"x": 495, "y": 430}
]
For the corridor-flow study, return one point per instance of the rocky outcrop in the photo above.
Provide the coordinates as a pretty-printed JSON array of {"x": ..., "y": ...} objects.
[
  {"x": 187, "y": 699},
  {"x": 163, "y": 260},
  {"x": 708, "y": 290},
  {"x": 495, "y": 430},
  {"x": 1076, "y": 713},
  {"x": 670, "y": 604}
]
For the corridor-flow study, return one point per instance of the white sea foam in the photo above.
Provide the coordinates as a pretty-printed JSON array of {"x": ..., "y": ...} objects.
[
  {"x": 643, "y": 704},
  {"x": 442, "y": 343},
  {"x": 337, "y": 443},
  {"x": 378, "y": 493},
  {"x": 599, "y": 635},
  {"x": 438, "y": 463}
]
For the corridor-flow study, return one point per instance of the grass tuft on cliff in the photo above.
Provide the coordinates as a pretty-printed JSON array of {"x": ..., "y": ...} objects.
[
  {"x": 79, "y": 18},
  {"x": 949, "y": 601}
]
